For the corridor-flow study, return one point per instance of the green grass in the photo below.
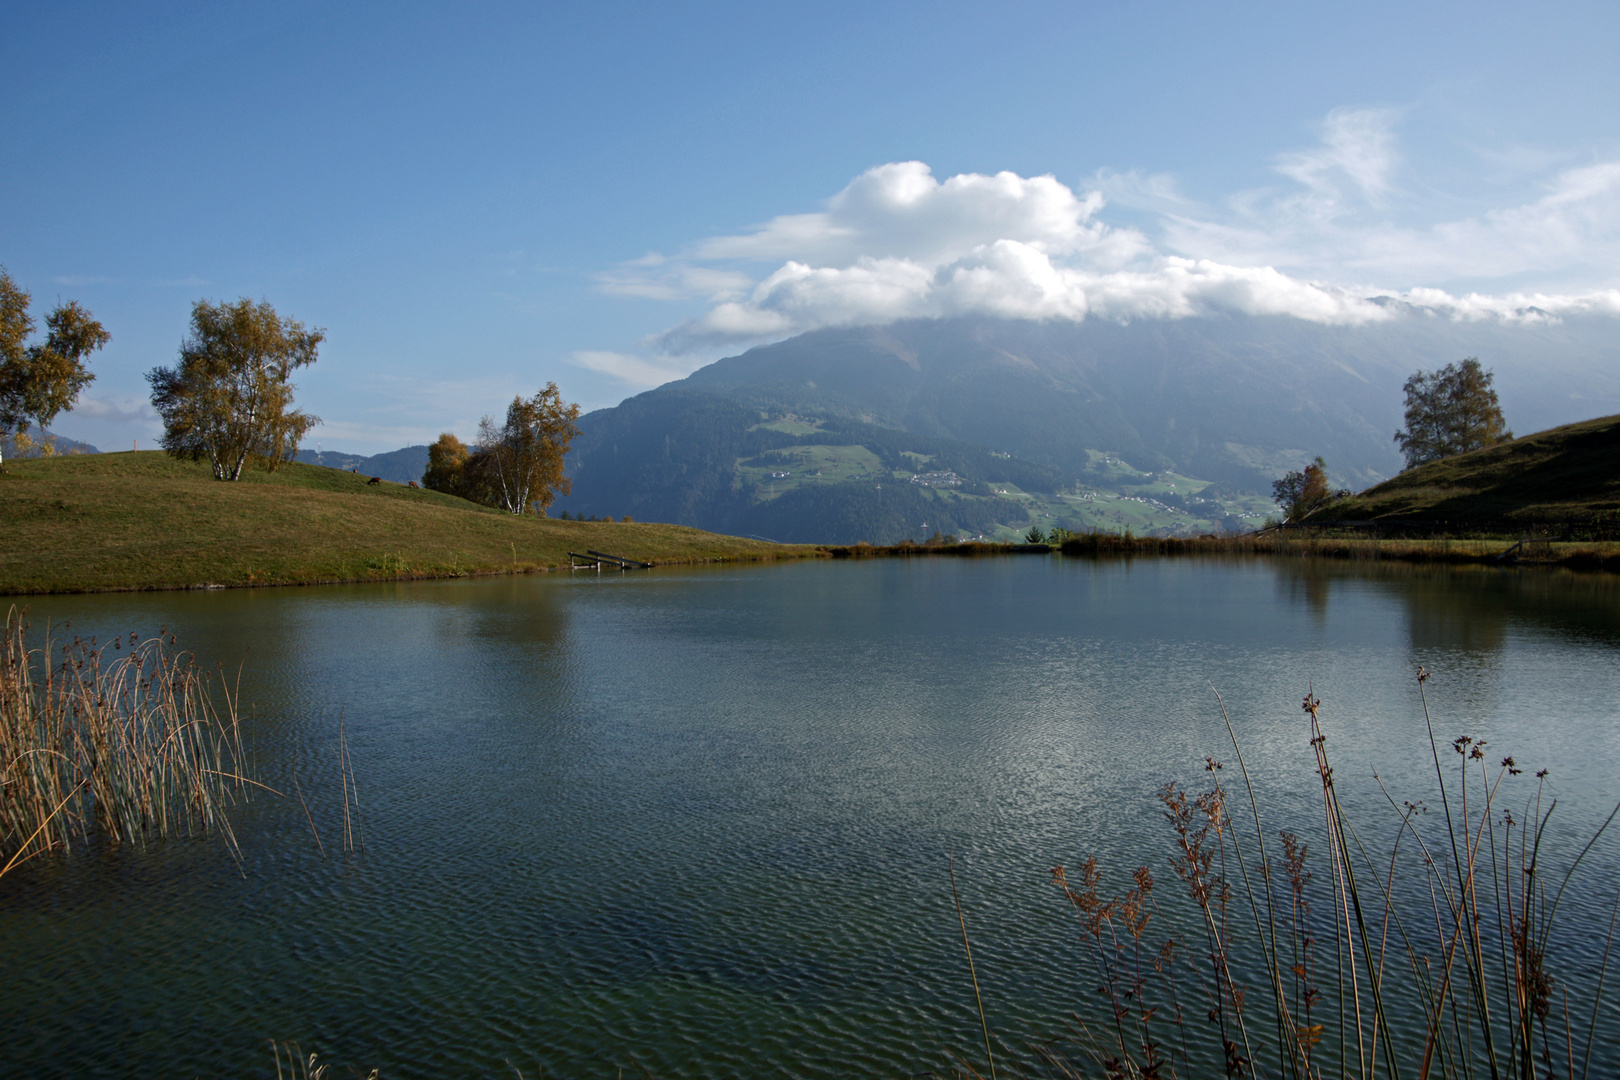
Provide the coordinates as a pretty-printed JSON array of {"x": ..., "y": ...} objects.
[
  {"x": 1564, "y": 474},
  {"x": 811, "y": 464},
  {"x": 98, "y": 522},
  {"x": 792, "y": 425}
]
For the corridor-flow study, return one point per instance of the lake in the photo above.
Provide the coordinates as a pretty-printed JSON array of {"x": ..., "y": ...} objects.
[{"x": 701, "y": 821}]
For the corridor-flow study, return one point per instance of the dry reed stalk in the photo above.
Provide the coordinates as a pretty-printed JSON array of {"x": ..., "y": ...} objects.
[
  {"x": 343, "y": 783},
  {"x": 352, "y": 830},
  {"x": 1480, "y": 991},
  {"x": 299, "y": 789},
  {"x": 354, "y": 789},
  {"x": 301, "y": 1066},
  {"x": 123, "y": 746},
  {"x": 972, "y": 971}
]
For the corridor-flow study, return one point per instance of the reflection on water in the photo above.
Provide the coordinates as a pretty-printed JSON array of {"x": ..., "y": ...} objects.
[
  {"x": 1307, "y": 584},
  {"x": 1465, "y": 608},
  {"x": 698, "y": 820}
]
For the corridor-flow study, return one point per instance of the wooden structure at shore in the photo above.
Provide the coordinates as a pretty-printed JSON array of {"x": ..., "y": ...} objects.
[{"x": 595, "y": 559}]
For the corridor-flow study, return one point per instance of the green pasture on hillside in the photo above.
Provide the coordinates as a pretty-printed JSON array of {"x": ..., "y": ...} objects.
[{"x": 146, "y": 521}]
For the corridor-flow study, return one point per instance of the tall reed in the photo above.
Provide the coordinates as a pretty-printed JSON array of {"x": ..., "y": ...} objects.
[
  {"x": 1329, "y": 962},
  {"x": 302, "y": 1066},
  {"x": 123, "y": 741}
]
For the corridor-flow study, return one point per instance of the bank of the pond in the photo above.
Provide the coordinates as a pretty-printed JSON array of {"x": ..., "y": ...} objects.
[
  {"x": 1501, "y": 552},
  {"x": 136, "y": 521}
]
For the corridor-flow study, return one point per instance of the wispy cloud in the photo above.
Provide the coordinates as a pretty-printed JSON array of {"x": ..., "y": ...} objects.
[
  {"x": 633, "y": 371},
  {"x": 121, "y": 409},
  {"x": 655, "y": 278},
  {"x": 1331, "y": 222},
  {"x": 1358, "y": 146}
]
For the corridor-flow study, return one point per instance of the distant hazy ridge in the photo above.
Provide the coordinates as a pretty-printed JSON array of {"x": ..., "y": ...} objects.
[{"x": 401, "y": 466}]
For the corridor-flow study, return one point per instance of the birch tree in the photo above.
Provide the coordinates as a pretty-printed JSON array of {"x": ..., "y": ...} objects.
[
  {"x": 521, "y": 460},
  {"x": 229, "y": 398}
]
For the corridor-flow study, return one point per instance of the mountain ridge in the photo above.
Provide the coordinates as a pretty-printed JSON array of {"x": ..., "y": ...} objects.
[{"x": 1233, "y": 401}]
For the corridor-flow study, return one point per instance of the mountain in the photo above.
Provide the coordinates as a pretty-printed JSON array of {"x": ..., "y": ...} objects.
[
  {"x": 60, "y": 444},
  {"x": 1054, "y": 420},
  {"x": 401, "y": 466}
]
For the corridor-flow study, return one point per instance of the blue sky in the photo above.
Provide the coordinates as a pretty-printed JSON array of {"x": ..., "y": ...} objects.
[{"x": 475, "y": 199}]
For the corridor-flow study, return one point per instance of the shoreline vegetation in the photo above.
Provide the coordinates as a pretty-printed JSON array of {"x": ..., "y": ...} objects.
[
  {"x": 141, "y": 521},
  {"x": 1288, "y": 543}
]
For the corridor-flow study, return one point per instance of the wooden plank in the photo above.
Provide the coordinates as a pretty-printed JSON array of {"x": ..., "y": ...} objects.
[{"x": 621, "y": 560}]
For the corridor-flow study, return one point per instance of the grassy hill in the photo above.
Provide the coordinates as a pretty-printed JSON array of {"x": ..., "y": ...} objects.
[
  {"x": 1568, "y": 474},
  {"x": 402, "y": 466},
  {"x": 146, "y": 521}
]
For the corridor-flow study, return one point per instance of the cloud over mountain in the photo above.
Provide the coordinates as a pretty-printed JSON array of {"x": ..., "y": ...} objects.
[{"x": 1322, "y": 246}]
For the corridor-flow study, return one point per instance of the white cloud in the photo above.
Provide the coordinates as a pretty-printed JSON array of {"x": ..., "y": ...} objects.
[
  {"x": 122, "y": 409},
  {"x": 1010, "y": 280},
  {"x": 899, "y": 243},
  {"x": 901, "y": 211},
  {"x": 890, "y": 214},
  {"x": 1516, "y": 307},
  {"x": 630, "y": 370}
]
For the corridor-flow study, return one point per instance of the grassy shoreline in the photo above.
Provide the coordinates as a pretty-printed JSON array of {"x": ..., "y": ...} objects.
[
  {"x": 144, "y": 521},
  {"x": 1589, "y": 556}
]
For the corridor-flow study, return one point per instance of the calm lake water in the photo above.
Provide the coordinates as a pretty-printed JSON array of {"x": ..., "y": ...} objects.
[{"x": 699, "y": 821}]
